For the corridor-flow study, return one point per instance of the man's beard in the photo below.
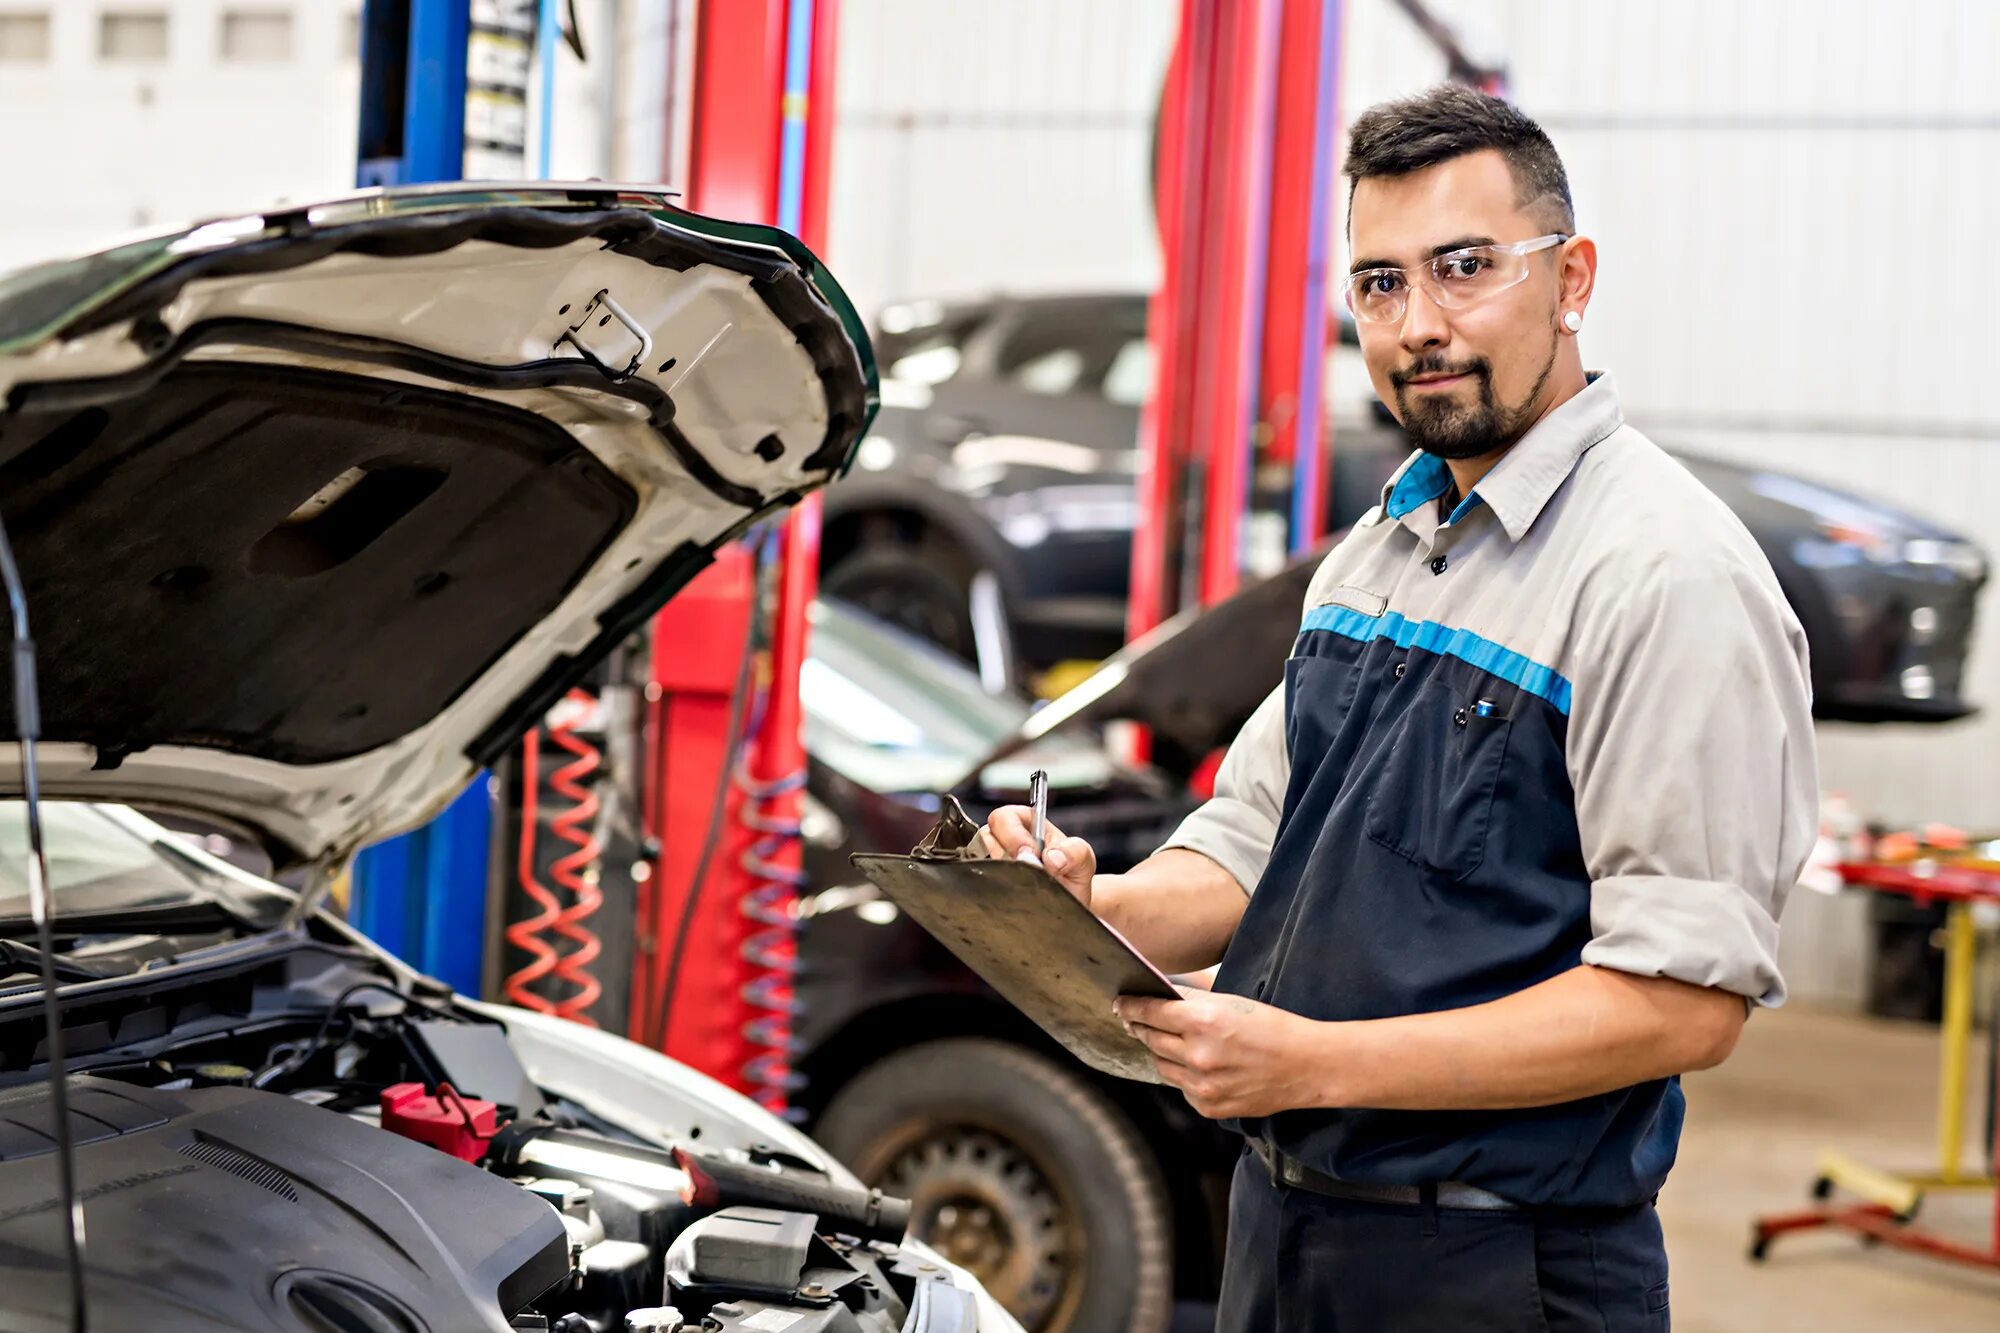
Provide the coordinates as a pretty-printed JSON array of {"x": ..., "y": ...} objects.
[{"x": 1453, "y": 430}]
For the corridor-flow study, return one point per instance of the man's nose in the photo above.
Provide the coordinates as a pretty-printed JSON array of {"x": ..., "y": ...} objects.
[{"x": 1424, "y": 324}]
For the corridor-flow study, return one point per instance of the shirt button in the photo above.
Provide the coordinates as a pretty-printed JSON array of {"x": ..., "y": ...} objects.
[
  {"x": 1460, "y": 717},
  {"x": 1437, "y": 565},
  {"x": 1401, "y": 667}
]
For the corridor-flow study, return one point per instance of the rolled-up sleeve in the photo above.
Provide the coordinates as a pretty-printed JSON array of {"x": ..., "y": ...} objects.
[
  {"x": 1690, "y": 748},
  {"x": 1236, "y": 827}
]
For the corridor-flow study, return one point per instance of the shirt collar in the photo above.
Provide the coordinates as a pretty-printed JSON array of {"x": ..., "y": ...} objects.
[{"x": 1528, "y": 475}]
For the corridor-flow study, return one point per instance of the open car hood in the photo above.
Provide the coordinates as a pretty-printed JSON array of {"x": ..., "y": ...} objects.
[{"x": 318, "y": 510}]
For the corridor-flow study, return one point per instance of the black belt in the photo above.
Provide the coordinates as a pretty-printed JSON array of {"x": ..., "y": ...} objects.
[{"x": 1445, "y": 1194}]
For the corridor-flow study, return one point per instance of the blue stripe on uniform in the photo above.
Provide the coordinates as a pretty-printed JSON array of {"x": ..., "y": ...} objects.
[{"x": 1488, "y": 656}]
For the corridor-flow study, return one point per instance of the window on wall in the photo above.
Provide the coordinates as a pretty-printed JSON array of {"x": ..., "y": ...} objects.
[
  {"x": 24, "y": 38},
  {"x": 256, "y": 36},
  {"x": 135, "y": 34}
]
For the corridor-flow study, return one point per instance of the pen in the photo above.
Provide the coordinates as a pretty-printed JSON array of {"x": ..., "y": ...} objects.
[{"x": 1038, "y": 797}]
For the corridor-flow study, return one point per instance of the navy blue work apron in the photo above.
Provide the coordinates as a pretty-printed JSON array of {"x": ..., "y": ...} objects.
[{"x": 1427, "y": 858}]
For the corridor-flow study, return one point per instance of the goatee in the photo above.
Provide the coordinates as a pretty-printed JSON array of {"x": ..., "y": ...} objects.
[{"x": 1453, "y": 430}]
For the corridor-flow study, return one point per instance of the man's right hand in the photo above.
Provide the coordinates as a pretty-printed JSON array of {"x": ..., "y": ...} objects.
[
  {"x": 1009, "y": 833},
  {"x": 1177, "y": 907}
]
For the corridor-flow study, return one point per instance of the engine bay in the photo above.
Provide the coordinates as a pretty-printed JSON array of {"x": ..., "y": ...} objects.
[{"x": 279, "y": 1132}]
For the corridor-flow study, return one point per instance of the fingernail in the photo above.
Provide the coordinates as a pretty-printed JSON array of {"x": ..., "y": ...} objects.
[
  {"x": 1028, "y": 854},
  {"x": 1054, "y": 859}
]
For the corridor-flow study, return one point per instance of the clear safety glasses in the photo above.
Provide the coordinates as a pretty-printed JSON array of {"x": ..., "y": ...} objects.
[{"x": 1454, "y": 281}]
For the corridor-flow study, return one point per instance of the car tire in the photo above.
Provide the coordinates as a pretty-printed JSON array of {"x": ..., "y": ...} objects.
[
  {"x": 923, "y": 587},
  {"x": 1021, "y": 1171}
]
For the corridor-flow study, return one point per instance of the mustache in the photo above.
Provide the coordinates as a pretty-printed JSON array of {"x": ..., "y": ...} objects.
[{"x": 1437, "y": 365}]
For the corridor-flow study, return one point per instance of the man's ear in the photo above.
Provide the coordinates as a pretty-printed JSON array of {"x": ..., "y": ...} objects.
[{"x": 1577, "y": 274}]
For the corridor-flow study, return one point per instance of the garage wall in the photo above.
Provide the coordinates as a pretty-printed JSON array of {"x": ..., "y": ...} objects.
[
  {"x": 990, "y": 143},
  {"x": 1780, "y": 189},
  {"x": 96, "y": 147},
  {"x": 100, "y": 144}
]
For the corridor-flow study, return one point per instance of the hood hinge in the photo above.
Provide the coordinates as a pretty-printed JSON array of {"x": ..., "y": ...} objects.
[{"x": 320, "y": 879}]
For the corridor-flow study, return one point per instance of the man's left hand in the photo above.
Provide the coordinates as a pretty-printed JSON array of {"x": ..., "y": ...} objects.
[{"x": 1228, "y": 1055}]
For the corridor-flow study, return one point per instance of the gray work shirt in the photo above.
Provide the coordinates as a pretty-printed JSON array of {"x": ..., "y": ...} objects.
[
  {"x": 1594, "y": 572},
  {"x": 1569, "y": 722}
]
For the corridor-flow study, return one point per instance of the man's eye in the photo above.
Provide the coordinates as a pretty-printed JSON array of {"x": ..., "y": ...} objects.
[
  {"x": 1382, "y": 284},
  {"x": 1460, "y": 268}
]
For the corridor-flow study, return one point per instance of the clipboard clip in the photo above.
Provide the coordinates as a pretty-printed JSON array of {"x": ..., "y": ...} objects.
[{"x": 955, "y": 838}]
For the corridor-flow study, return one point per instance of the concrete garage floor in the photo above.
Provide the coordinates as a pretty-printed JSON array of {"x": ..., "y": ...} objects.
[{"x": 1801, "y": 1081}]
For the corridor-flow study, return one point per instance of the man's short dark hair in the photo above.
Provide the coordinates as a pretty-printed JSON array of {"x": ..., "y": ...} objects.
[{"x": 1451, "y": 120}]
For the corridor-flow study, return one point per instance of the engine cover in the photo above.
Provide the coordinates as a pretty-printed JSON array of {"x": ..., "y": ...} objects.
[{"x": 228, "y": 1208}]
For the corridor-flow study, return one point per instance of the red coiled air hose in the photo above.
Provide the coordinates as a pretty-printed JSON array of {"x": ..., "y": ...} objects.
[
  {"x": 772, "y": 952},
  {"x": 526, "y": 934},
  {"x": 576, "y": 870}
]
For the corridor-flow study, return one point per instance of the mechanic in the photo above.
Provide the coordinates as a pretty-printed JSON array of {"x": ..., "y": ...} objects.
[{"x": 1505, "y": 854}]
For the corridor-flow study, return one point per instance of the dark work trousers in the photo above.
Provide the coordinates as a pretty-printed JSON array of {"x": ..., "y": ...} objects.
[{"x": 1303, "y": 1263}]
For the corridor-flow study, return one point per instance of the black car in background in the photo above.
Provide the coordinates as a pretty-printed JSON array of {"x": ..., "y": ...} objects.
[{"x": 992, "y": 506}]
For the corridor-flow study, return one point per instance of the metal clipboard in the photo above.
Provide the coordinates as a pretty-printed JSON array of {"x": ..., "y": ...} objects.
[{"x": 1046, "y": 953}]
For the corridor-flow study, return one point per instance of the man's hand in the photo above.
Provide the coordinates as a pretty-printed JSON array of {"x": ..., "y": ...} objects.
[
  {"x": 1228, "y": 1055},
  {"x": 1176, "y": 907},
  {"x": 1009, "y": 834}
]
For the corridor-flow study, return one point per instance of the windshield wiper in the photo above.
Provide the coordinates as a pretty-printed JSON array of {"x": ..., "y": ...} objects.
[
  {"x": 17, "y": 958},
  {"x": 166, "y": 918},
  {"x": 186, "y": 861}
]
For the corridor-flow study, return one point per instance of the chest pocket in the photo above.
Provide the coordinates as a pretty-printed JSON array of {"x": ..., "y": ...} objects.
[{"x": 1432, "y": 799}]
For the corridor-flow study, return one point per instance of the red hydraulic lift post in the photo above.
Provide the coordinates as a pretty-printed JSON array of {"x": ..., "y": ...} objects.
[
  {"x": 1214, "y": 172},
  {"x": 1234, "y": 306},
  {"x": 1170, "y": 323},
  {"x": 759, "y": 150},
  {"x": 1291, "y": 400},
  {"x": 697, "y": 646}
]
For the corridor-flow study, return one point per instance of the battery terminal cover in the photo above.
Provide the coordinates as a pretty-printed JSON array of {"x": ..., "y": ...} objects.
[{"x": 451, "y": 1123}]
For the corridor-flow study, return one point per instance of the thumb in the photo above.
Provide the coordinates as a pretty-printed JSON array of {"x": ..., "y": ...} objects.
[{"x": 1072, "y": 862}]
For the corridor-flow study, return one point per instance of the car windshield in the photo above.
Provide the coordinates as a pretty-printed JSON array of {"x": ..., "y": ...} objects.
[
  {"x": 96, "y": 863},
  {"x": 892, "y": 713}
]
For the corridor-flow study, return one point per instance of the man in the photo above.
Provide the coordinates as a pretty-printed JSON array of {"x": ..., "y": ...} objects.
[{"x": 1505, "y": 854}]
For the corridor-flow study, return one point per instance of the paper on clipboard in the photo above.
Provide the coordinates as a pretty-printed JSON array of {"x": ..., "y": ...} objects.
[{"x": 1030, "y": 939}]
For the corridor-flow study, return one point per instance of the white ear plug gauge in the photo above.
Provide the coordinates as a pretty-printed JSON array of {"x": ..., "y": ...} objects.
[{"x": 1572, "y": 321}]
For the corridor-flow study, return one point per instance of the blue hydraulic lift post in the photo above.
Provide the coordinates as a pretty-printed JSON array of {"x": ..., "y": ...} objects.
[
  {"x": 423, "y": 895},
  {"x": 412, "y": 91},
  {"x": 545, "y": 54}
]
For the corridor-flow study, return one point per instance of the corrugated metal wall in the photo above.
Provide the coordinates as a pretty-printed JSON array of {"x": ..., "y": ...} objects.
[
  {"x": 1782, "y": 192},
  {"x": 991, "y": 143},
  {"x": 95, "y": 148}
]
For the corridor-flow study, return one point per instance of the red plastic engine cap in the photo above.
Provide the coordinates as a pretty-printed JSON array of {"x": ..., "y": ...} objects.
[{"x": 449, "y": 1122}]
